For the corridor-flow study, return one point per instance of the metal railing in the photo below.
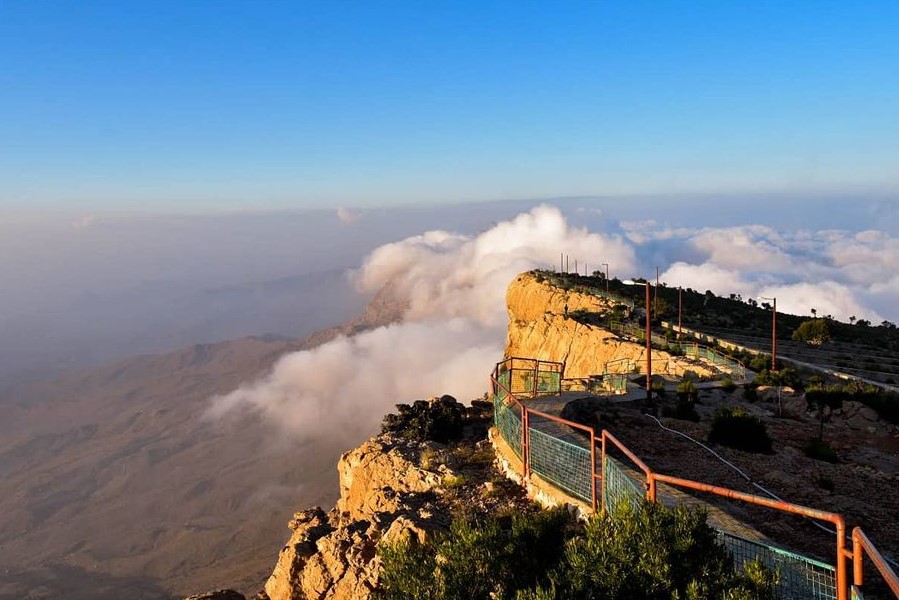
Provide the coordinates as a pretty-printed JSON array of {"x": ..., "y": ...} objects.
[
  {"x": 862, "y": 547},
  {"x": 566, "y": 454},
  {"x": 710, "y": 356},
  {"x": 531, "y": 377},
  {"x": 607, "y": 383}
]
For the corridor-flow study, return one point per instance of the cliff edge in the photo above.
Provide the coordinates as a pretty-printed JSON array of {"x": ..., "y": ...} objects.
[
  {"x": 432, "y": 460},
  {"x": 552, "y": 323}
]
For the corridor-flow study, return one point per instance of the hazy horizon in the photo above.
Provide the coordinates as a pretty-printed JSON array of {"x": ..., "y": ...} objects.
[{"x": 85, "y": 288}]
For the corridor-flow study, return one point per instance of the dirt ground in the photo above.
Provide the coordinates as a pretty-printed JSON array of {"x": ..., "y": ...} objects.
[{"x": 863, "y": 486}]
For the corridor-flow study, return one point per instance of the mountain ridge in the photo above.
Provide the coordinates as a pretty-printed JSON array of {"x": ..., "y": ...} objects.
[{"x": 113, "y": 473}]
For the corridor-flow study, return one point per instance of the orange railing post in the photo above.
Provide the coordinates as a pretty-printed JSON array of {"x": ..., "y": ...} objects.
[
  {"x": 858, "y": 559},
  {"x": 861, "y": 546},
  {"x": 842, "y": 580},
  {"x": 603, "y": 471},
  {"x": 525, "y": 442},
  {"x": 593, "y": 467}
]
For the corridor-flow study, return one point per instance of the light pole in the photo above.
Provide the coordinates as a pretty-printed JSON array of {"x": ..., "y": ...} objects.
[
  {"x": 649, "y": 402},
  {"x": 773, "y": 332},
  {"x": 680, "y": 305},
  {"x": 606, "y": 265}
]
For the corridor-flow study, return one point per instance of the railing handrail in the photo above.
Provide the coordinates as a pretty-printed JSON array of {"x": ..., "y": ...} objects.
[
  {"x": 636, "y": 459},
  {"x": 862, "y": 545},
  {"x": 733, "y": 365}
]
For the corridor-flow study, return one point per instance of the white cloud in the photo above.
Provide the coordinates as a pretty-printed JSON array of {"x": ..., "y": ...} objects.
[
  {"x": 707, "y": 276},
  {"x": 342, "y": 389},
  {"x": 455, "y": 325},
  {"x": 347, "y": 215},
  {"x": 453, "y": 332},
  {"x": 444, "y": 274},
  {"x": 826, "y": 297}
]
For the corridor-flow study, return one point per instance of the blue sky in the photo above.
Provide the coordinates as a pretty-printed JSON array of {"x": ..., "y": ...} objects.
[{"x": 170, "y": 105}]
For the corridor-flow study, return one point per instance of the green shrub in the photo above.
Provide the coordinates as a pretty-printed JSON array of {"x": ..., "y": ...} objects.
[
  {"x": 685, "y": 406},
  {"x": 441, "y": 420},
  {"x": 452, "y": 482},
  {"x": 728, "y": 385},
  {"x": 646, "y": 551},
  {"x": 820, "y": 450},
  {"x": 814, "y": 332},
  {"x": 760, "y": 362},
  {"x": 658, "y": 388},
  {"x": 477, "y": 557},
  {"x": 650, "y": 552},
  {"x": 735, "y": 428},
  {"x": 787, "y": 377},
  {"x": 687, "y": 387}
]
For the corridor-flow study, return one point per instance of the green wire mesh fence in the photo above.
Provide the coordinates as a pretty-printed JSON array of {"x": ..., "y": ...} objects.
[
  {"x": 528, "y": 377},
  {"x": 561, "y": 462},
  {"x": 560, "y": 457},
  {"x": 508, "y": 422},
  {"x": 618, "y": 486},
  {"x": 799, "y": 577}
]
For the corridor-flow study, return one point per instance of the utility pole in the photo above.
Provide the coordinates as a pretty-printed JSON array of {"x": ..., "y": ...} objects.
[
  {"x": 655, "y": 294},
  {"x": 680, "y": 305},
  {"x": 606, "y": 265},
  {"x": 774, "y": 337},
  {"x": 773, "y": 331}
]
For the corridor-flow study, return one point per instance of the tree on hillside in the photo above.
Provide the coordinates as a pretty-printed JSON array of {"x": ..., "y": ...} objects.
[{"x": 814, "y": 332}]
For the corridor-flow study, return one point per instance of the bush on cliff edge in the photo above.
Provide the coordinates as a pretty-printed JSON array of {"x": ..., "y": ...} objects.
[
  {"x": 640, "y": 552},
  {"x": 441, "y": 420}
]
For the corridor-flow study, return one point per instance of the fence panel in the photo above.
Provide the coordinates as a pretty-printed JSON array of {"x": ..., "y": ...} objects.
[
  {"x": 618, "y": 486},
  {"x": 563, "y": 463},
  {"x": 508, "y": 422},
  {"x": 549, "y": 382},
  {"x": 800, "y": 578}
]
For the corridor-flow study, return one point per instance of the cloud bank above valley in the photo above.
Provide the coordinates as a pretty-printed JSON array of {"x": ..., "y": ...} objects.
[
  {"x": 838, "y": 273},
  {"x": 454, "y": 326},
  {"x": 452, "y": 330}
]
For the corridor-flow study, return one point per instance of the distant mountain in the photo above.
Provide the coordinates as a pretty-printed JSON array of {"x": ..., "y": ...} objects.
[
  {"x": 112, "y": 482},
  {"x": 98, "y": 327}
]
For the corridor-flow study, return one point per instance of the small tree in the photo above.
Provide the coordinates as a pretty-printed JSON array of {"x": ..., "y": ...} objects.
[{"x": 814, "y": 332}]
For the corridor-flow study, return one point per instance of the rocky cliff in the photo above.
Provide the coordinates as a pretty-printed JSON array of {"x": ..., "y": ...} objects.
[
  {"x": 398, "y": 485},
  {"x": 332, "y": 555},
  {"x": 551, "y": 323}
]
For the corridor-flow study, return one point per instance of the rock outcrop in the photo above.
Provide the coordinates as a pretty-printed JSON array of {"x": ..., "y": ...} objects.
[
  {"x": 383, "y": 496},
  {"x": 543, "y": 324},
  {"x": 218, "y": 595}
]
